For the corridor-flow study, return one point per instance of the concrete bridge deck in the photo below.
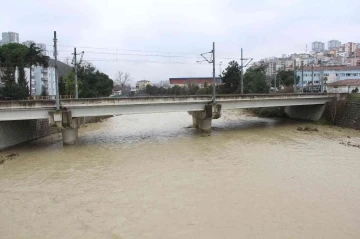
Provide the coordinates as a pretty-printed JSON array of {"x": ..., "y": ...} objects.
[{"x": 39, "y": 109}]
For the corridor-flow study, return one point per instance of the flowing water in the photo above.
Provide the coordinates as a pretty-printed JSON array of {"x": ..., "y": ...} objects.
[{"x": 152, "y": 176}]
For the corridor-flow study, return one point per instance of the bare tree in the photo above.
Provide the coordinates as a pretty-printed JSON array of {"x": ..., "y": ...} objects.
[{"x": 122, "y": 80}]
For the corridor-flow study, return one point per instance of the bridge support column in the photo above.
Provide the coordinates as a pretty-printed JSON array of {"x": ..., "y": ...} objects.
[
  {"x": 305, "y": 112},
  {"x": 69, "y": 136},
  {"x": 195, "y": 122},
  {"x": 70, "y": 128},
  {"x": 202, "y": 119}
]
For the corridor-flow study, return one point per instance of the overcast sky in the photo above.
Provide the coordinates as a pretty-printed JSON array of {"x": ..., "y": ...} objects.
[{"x": 156, "y": 40}]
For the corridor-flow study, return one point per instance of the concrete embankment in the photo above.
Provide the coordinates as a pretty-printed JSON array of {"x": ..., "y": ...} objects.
[
  {"x": 343, "y": 111},
  {"x": 21, "y": 131}
]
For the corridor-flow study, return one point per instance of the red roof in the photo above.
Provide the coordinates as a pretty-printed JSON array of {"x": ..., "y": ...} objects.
[
  {"x": 348, "y": 82},
  {"x": 332, "y": 68}
]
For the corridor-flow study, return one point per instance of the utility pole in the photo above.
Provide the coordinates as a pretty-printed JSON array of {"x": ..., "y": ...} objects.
[
  {"x": 213, "y": 61},
  {"x": 275, "y": 79},
  {"x": 241, "y": 72},
  {"x": 56, "y": 74},
  {"x": 294, "y": 76},
  {"x": 76, "y": 81},
  {"x": 302, "y": 76},
  {"x": 75, "y": 66},
  {"x": 312, "y": 77}
]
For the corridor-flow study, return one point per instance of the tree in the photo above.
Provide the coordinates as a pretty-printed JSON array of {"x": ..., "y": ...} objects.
[
  {"x": 122, "y": 80},
  {"x": 255, "y": 81},
  {"x": 287, "y": 78},
  {"x": 34, "y": 57},
  {"x": 69, "y": 83},
  {"x": 231, "y": 78},
  {"x": 93, "y": 82}
]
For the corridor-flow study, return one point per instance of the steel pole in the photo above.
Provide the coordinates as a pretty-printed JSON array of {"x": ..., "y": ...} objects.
[
  {"x": 213, "y": 61},
  {"x": 56, "y": 74},
  {"x": 76, "y": 79}
]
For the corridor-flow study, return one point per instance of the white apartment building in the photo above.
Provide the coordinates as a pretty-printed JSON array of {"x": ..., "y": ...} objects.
[
  {"x": 332, "y": 73},
  {"x": 9, "y": 37},
  {"x": 333, "y": 44},
  {"x": 318, "y": 46}
]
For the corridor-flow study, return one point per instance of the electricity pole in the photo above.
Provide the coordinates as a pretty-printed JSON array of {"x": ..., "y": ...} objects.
[
  {"x": 294, "y": 76},
  {"x": 241, "y": 72},
  {"x": 212, "y": 60},
  {"x": 275, "y": 79},
  {"x": 56, "y": 74},
  {"x": 312, "y": 77},
  {"x": 302, "y": 76},
  {"x": 75, "y": 66}
]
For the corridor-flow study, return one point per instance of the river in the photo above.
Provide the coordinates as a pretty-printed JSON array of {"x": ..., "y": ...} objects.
[{"x": 152, "y": 176}]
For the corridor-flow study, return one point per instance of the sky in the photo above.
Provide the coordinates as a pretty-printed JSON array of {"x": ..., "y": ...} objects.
[{"x": 159, "y": 39}]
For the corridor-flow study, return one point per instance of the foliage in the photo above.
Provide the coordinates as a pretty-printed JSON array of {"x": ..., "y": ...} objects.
[
  {"x": 231, "y": 78},
  {"x": 14, "y": 91},
  {"x": 255, "y": 81},
  {"x": 93, "y": 82},
  {"x": 69, "y": 83},
  {"x": 17, "y": 56},
  {"x": 287, "y": 78},
  {"x": 356, "y": 90}
]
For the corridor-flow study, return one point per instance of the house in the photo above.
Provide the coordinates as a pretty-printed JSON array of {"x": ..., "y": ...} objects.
[
  {"x": 344, "y": 86},
  {"x": 200, "y": 81},
  {"x": 141, "y": 85}
]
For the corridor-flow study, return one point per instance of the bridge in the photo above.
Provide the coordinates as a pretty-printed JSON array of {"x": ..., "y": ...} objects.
[{"x": 202, "y": 109}]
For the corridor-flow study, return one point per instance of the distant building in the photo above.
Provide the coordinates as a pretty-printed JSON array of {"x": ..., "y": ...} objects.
[
  {"x": 40, "y": 45},
  {"x": 332, "y": 73},
  {"x": 334, "y": 44},
  {"x": 200, "y": 81},
  {"x": 9, "y": 37},
  {"x": 318, "y": 46},
  {"x": 350, "y": 48},
  {"x": 344, "y": 86},
  {"x": 141, "y": 85}
]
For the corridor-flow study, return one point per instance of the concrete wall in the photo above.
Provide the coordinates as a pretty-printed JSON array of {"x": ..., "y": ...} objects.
[
  {"x": 350, "y": 117},
  {"x": 305, "y": 112},
  {"x": 21, "y": 131},
  {"x": 17, "y": 132}
]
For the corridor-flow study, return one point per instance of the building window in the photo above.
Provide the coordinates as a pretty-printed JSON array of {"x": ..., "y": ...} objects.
[
  {"x": 342, "y": 74},
  {"x": 347, "y": 74},
  {"x": 355, "y": 74},
  {"x": 337, "y": 74}
]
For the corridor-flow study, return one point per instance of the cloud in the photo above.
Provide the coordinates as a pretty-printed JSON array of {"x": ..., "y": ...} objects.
[{"x": 133, "y": 35}]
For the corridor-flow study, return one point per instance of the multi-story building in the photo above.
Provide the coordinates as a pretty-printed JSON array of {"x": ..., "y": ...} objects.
[
  {"x": 318, "y": 46},
  {"x": 199, "y": 81},
  {"x": 141, "y": 85},
  {"x": 333, "y": 44},
  {"x": 350, "y": 48},
  {"x": 326, "y": 75},
  {"x": 9, "y": 37},
  {"x": 40, "y": 45}
]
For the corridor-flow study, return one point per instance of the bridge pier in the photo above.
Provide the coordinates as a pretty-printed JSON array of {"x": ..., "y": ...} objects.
[
  {"x": 305, "y": 112},
  {"x": 69, "y": 136},
  {"x": 203, "y": 119},
  {"x": 195, "y": 122}
]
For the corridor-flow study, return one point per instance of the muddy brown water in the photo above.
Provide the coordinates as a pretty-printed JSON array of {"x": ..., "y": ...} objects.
[{"x": 151, "y": 176}]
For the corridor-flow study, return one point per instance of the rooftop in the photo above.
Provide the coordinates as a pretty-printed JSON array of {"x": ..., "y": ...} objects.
[
  {"x": 348, "y": 82},
  {"x": 332, "y": 68}
]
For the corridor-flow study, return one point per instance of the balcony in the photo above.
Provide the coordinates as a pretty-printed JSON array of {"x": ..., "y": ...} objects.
[
  {"x": 44, "y": 70},
  {"x": 44, "y": 78}
]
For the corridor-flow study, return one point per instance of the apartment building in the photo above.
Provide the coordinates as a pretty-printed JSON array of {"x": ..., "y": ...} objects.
[{"x": 332, "y": 74}]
